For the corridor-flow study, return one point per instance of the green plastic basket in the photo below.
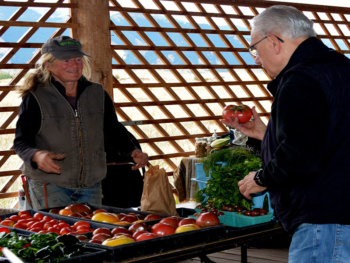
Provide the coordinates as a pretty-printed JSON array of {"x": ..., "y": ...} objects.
[
  {"x": 243, "y": 220},
  {"x": 230, "y": 218}
]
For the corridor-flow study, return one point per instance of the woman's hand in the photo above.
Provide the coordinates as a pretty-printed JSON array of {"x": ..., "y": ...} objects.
[
  {"x": 140, "y": 158},
  {"x": 254, "y": 129},
  {"x": 46, "y": 161},
  {"x": 248, "y": 186}
]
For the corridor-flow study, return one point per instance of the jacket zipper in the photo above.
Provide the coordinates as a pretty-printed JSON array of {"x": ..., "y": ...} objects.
[{"x": 80, "y": 147}]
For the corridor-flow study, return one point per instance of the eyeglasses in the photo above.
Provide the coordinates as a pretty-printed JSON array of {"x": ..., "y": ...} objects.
[{"x": 252, "y": 50}]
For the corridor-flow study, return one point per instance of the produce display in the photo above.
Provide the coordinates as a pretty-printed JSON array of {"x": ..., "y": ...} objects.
[
  {"x": 139, "y": 231},
  {"x": 45, "y": 224},
  {"x": 242, "y": 112},
  {"x": 102, "y": 215},
  {"x": 41, "y": 248}
]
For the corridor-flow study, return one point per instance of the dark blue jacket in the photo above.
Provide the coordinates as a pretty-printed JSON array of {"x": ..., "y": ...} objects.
[{"x": 306, "y": 147}]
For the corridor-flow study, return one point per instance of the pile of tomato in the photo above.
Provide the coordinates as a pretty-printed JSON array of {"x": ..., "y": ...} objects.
[
  {"x": 45, "y": 224},
  {"x": 139, "y": 231}
]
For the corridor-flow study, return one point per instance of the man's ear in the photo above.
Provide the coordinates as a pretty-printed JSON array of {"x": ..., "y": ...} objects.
[{"x": 275, "y": 43}]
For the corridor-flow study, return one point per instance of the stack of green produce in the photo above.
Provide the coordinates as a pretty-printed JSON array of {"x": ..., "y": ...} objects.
[
  {"x": 222, "y": 188},
  {"x": 41, "y": 247}
]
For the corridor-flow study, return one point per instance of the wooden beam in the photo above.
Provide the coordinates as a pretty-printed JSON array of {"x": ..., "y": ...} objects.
[
  {"x": 31, "y": 4},
  {"x": 188, "y": 119},
  {"x": 266, "y": 4},
  {"x": 178, "y": 138},
  {"x": 8, "y": 195},
  {"x": 38, "y": 24},
  {"x": 186, "y": 84},
  {"x": 10, "y": 173},
  {"x": 192, "y": 66},
  {"x": 176, "y": 30},
  {"x": 94, "y": 34},
  {"x": 183, "y": 102},
  {"x": 170, "y": 155}
]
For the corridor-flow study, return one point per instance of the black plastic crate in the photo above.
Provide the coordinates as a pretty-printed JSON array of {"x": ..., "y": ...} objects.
[
  {"x": 163, "y": 244},
  {"x": 68, "y": 219},
  {"x": 109, "y": 209},
  {"x": 185, "y": 212},
  {"x": 91, "y": 254}
]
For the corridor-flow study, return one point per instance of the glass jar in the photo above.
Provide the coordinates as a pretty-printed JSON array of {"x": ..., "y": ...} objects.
[
  {"x": 200, "y": 147},
  {"x": 209, "y": 141}
]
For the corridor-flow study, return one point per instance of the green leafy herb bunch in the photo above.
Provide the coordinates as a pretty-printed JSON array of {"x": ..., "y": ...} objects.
[{"x": 222, "y": 188}]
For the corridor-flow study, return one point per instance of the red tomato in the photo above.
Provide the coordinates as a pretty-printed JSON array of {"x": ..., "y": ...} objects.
[
  {"x": 54, "y": 221},
  {"x": 38, "y": 224},
  {"x": 44, "y": 231},
  {"x": 207, "y": 219},
  {"x": 130, "y": 218},
  {"x": 38, "y": 216},
  {"x": 119, "y": 229},
  {"x": 102, "y": 230},
  {"x": 242, "y": 112},
  {"x": 57, "y": 227},
  {"x": 137, "y": 227},
  {"x": 4, "y": 229},
  {"x": 47, "y": 225},
  {"x": 47, "y": 218},
  {"x": 65, "y": 230},
  {"x": 20, "y": 226},
  {"x": 21, "y": 213},
  {"x": 87, "y": 229},
  {"x": 54, "y": 230},
  {"x": 24, "y": 222},
  {"x": 82, "y": 223},
  {"x": 25, "y": 216},
  {"x": 152, "y": 217},
  {"x": 170, "y": 221},
  {"x": 187, "y": 221},
  {"x": 63, "y": 224},
  {"x": 101, "y": 237},
  {"x": 15, "y": 218},
  {"x": 162, "y": 229},
  {"x": 146, "y": 236},
  {"x": 7, "y": 222},
  {"x": 138, "y": 233}
]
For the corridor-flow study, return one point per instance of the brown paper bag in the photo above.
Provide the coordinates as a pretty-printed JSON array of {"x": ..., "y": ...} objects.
[{"x": 157, "y": 196}]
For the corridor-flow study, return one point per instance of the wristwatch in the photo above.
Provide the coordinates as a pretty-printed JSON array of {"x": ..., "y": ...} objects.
[{"x": 257, "y": 179}]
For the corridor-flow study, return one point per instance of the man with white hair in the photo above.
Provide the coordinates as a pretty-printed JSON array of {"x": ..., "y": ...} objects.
[{"x": 306, "y": 144}]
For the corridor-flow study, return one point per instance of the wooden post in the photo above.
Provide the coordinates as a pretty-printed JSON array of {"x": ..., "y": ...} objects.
[{"x": 94, "y": 34}]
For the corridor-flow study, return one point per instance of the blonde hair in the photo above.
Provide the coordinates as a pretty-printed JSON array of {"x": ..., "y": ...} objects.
[{"x": 43, "y": 75}]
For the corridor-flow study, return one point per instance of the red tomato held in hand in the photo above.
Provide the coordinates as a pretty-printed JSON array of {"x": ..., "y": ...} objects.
[
  {"x": 207, "y": 219},
  {"x": 242, "y": 112}
]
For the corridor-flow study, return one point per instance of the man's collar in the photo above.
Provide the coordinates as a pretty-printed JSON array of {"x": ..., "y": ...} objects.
[{"x": 308, "y": 48}]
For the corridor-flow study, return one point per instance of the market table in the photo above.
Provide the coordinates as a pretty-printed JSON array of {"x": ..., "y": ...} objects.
[{"x": 236, "y": 237}]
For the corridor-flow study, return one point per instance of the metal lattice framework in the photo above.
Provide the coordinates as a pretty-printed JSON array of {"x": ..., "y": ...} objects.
[{"x": 203, "y": 71}]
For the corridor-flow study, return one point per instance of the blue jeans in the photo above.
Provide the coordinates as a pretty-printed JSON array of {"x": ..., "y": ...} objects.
[
  {"x": 59, "y": 196},
  {"x": 324, "y": 243}
]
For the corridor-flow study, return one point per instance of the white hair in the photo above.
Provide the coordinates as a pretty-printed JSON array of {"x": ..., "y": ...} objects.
[{"x": 284, "y": 20}]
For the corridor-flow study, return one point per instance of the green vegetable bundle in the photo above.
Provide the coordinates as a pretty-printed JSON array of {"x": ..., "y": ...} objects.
[
  {"x": 222, "y": 188},
  {"x": 41, "y": 247}
]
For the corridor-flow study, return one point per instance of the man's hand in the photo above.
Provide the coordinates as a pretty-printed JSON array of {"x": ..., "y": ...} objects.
[
  {"x": 140, "y": 159},
  {"x": 254, "y": 129},
  {"x": 248, "y": 186},
  {"x": 46, "y": 161}
]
